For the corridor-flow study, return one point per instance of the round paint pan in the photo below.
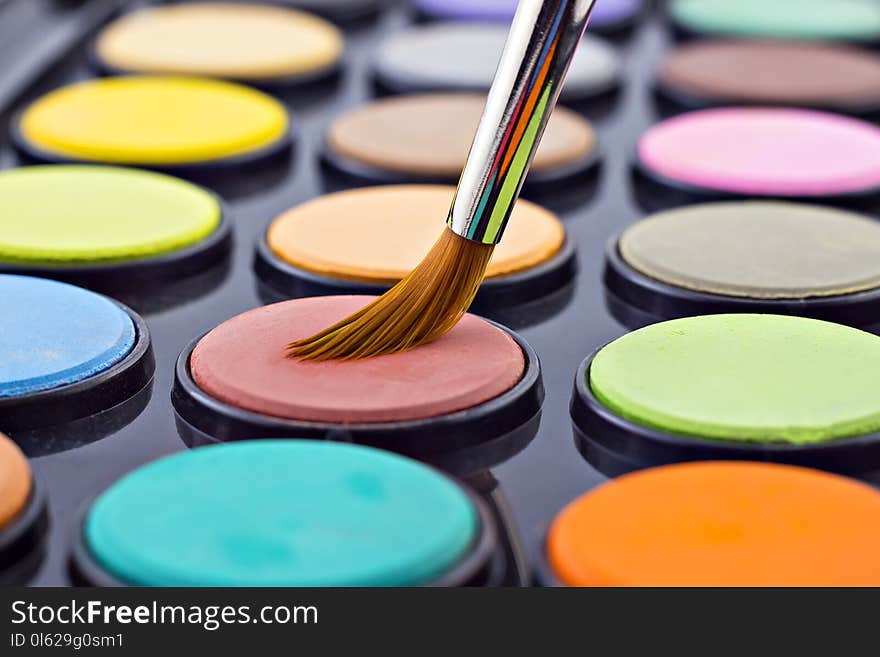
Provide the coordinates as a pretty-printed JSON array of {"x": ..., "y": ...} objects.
[
  {"x": 719, "y": 72},
  {"x": 109, "y": 229},
  {"x": 720, "y": 524},
  {"x": 262, "y": 45},
  {"x": 856, "y": 21},
  {"x": 299, "y": 254},
  {"x": 71, "y": 353},
  {"x": 784, "y": 153},
  {"x": 765, "y": 257},
  {"x": 390, "y": 543},
  {"x": 740, "y": 359},
  {"x": 608, "y": 17},
  {"x": 463, "y": 57},
  {"x": 466, "y": 402},
  {"x": 24, "y": 518},
  {"x": 178, "y": 125},
  {"x": 424, "y": 138}
]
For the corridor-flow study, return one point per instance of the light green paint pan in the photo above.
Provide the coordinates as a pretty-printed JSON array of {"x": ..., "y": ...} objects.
[
  {"x": 84, "y": 215},
  {"x": 747, "y": 378}
]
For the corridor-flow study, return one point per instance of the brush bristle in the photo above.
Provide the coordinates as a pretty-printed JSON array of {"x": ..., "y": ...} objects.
[{"x": 419, "y": 309}]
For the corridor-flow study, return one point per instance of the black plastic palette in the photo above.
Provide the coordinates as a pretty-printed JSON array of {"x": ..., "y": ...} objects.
[{"x": 77, "y": 462}]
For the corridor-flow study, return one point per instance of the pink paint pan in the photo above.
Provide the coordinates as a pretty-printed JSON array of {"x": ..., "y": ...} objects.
[
  {"x": 464, "y": 402},
  {"x": 763, "y": 152}
]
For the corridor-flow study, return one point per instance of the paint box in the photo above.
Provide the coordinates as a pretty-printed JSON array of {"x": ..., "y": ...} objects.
[{"x": 537, "y": 467}]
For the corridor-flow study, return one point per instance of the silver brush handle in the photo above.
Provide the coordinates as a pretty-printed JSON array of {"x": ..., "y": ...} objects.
[{"x": 542, "y": 41}]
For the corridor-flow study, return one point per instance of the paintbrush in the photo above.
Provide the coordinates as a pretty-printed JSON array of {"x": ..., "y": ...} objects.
[{"x": 432, "y": 299}]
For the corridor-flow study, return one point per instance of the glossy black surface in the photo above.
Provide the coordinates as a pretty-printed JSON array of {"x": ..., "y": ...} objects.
[{"x": 538, "y": 482}]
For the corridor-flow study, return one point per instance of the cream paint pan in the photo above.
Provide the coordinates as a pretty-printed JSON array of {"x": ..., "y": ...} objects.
[
  {"x": 746, "y": 256},
  {"x": 465, "y": 402},
  {"x": 257, "y": 44},
  {"x": 363, "y": 241},
  {"x": 740, "y": 386}
]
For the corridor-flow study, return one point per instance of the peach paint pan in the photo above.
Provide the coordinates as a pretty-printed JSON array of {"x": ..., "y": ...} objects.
[{"x": 339, "y": 244}]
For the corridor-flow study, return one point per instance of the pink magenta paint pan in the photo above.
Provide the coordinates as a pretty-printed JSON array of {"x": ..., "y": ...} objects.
[
  {"x": 465, "y": 402},
  {"x": 763, "y": 152}
]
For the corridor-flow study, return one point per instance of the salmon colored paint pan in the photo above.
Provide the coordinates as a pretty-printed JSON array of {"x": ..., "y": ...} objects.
[{"x": 466, "y": 401}]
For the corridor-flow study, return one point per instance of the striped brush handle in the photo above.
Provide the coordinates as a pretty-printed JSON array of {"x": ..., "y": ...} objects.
[{"x": 542, "y": 41}]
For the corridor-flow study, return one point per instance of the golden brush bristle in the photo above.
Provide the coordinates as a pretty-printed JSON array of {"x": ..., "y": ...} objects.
[{"x": 420, "y": 308}]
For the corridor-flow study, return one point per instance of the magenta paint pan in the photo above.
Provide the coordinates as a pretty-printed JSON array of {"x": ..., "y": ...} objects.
[
  {"x": 762, "y": 153},
  {"x": 465, "y": 402},
  {"x": 608, "y": 15}
]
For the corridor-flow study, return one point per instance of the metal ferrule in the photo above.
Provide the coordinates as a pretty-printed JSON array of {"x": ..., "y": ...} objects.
[{"x": 542, "y": 41}]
